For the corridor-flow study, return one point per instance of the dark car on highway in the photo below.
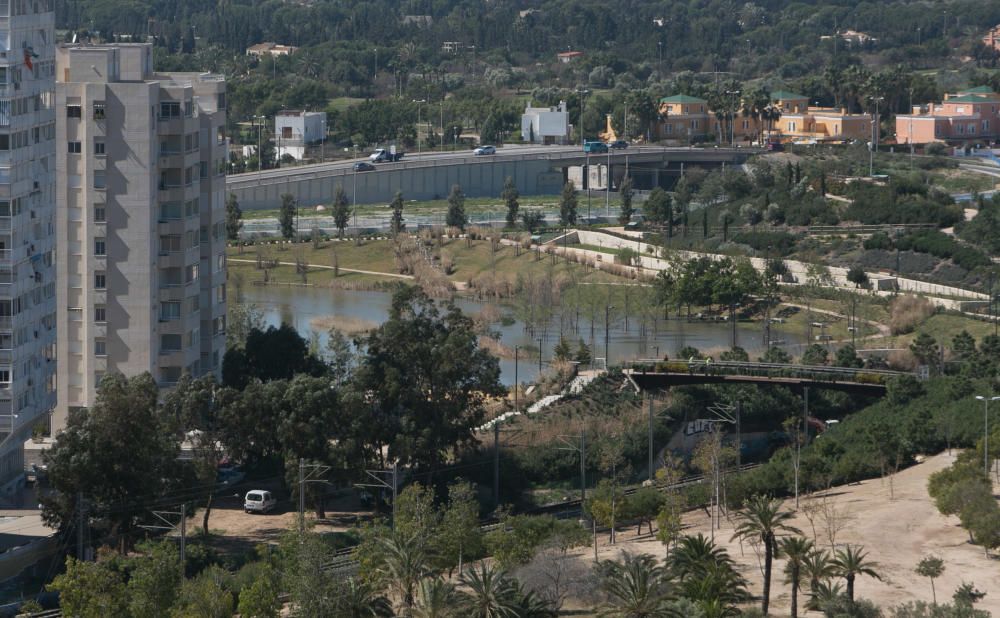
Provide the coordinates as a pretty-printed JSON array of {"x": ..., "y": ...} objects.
[
  {"x": 618, "y": 144},
  {"x": 362, "y": 166}
]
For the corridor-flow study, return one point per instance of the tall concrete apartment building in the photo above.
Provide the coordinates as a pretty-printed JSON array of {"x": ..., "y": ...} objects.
[
  {"x": 27, "y": 227},
  {"x": 141, "y": 275}
]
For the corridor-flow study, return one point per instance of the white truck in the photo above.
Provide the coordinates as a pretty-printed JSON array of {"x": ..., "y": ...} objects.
[{"x": 385, "y": 155}]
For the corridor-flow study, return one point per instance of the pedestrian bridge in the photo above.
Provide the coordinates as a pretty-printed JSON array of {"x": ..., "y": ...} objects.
[{"x": 659, "y": 375}]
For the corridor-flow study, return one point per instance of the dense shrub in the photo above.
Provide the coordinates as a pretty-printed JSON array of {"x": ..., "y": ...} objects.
[
  {"x": 781, "y": 243},
  {"x": 943, "y": 246},
  {"x": 878, "y": 240}
]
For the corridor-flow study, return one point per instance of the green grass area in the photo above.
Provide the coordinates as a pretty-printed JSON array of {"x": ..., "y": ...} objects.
[
  {"x": 944, "y": 326},
  {"x": 340, "y": 104},
  {"x": 376, "y": 255},
  {"x": 475, "y": 258},
  {"x": 470, "y": 259},
  {"x": 247, "y": 274}
]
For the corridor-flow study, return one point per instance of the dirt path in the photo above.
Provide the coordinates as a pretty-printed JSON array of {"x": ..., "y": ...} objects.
[
  {"x": 325, "y": 267},
  {"x": 895, "y": 533}
]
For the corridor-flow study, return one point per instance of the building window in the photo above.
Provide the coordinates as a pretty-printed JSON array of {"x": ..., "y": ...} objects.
[
  {"x": 100, "y": 247},
  {"x": 170, "y": 244},
  {"x": 170, "y": 211},
  {"x": 170, "y": 109},
  {"x": 670, "y": 128},
  {"x": 5, "y": 376},
  {"x": 99, "y": 147},
  {"x": 100, "y": 213},
  {"x": 100, "y": 314},
  {"x": 100, "y": 347},
  {"x": 73, "y": 147},
  {"x": 170, "y": 311},
  {"x": 98, "y": 110},
  {"x": 73, "y": 111},
  {"x": 100, "y": 179},
  {"x": 170, "y": 343},
  {"x": 100, "y": 280}
]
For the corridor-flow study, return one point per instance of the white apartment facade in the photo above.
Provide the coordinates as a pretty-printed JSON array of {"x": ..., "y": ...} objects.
[
  {"x": 294, "y": 130},
  {"x": 27, "y": 228},
  {"x": 141, "y": 282},
  {"x": 545, "y": 125}
]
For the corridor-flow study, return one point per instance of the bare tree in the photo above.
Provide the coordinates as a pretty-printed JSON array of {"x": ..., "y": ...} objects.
[
  {"x": 835, "y": 518},
  {"x": 554, "y": 574}
]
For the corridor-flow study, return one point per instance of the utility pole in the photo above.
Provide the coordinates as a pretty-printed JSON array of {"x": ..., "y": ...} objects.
[
  {"x": 649, "y": 407},
  {"x": 380, "y": 483},
  {"x": 496, "y": 464},
  {"x": 169, "y": 526},
  {"x": 302, "y": 495},
  {"x": 80, "y": 526},
  {"x": 568, "y": 445},
  {"x": 184, "y": 537}
]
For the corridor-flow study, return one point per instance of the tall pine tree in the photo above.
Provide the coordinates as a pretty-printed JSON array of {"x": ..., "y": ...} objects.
[
  {"x": 456, "y": 208},
  {"x": 567, "y": 204}
]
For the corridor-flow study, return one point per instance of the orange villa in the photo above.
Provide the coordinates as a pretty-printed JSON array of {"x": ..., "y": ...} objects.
[
  {"x": 968, "y": 117},
  {"x": 687, "y": 118}
]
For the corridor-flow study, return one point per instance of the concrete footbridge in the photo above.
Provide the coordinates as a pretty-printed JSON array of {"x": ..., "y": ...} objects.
[
  {"x": 659, "y": 375},
  {"x": 537, "y": 170}
]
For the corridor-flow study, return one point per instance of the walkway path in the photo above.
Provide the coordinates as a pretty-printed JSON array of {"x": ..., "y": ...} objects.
[{"x": 337, "y": 268}]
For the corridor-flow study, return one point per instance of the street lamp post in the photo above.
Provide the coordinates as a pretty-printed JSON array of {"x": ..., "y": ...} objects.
[
  {"x": 607, "y": 188},
  {"x": 354, "y": 199},
  {"x": 583, "y": 92},
  {"x": 986, "y": 432},
  {"x": 419, "y": 104},
  {"x": 517, "y": 348},
  {"x": 607, "y": 330},
  {"x": 539, "y": 355}
]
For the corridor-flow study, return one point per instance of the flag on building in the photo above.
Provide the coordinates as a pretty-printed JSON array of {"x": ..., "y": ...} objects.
[{"x": 29, "y": 54}]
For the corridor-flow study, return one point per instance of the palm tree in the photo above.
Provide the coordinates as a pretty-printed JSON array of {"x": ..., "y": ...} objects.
[
  {"x": 692, "y": 555},
  {"x": 796, "y": 550},
  {"x": 636, "y": 587},
  {"x": 718, "y": 585},
  {"x": 436, "y": 599},
  {"x": 359, "y": 599},
  {"x": 817, "y": 569},
  {"x": 827, "y": 594},
  {"x": 530, "y": 605},
  {"x": 403, "y": 563},
  {"x": 491, "y": 594},
  {"x": 849, "y": 563},
  {"x": 762, "y": 519},
  {"x": 770, "y": 115}
]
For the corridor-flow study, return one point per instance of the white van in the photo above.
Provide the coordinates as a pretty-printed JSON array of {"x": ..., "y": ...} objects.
[{"x": 258, "y": 501}]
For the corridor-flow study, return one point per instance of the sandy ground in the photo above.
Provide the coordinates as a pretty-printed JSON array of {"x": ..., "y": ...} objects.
[{"x": 896, "y": 534}]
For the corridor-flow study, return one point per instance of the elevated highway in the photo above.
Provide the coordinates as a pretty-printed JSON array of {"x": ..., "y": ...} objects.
[{"x": 537, "y": 170}]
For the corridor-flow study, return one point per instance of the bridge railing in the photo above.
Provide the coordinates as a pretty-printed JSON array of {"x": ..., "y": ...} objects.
[{"x": 820, "y": 373}]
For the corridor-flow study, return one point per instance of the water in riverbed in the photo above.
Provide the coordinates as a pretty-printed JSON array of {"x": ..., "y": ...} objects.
[{"x": 301, "y": 306}]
